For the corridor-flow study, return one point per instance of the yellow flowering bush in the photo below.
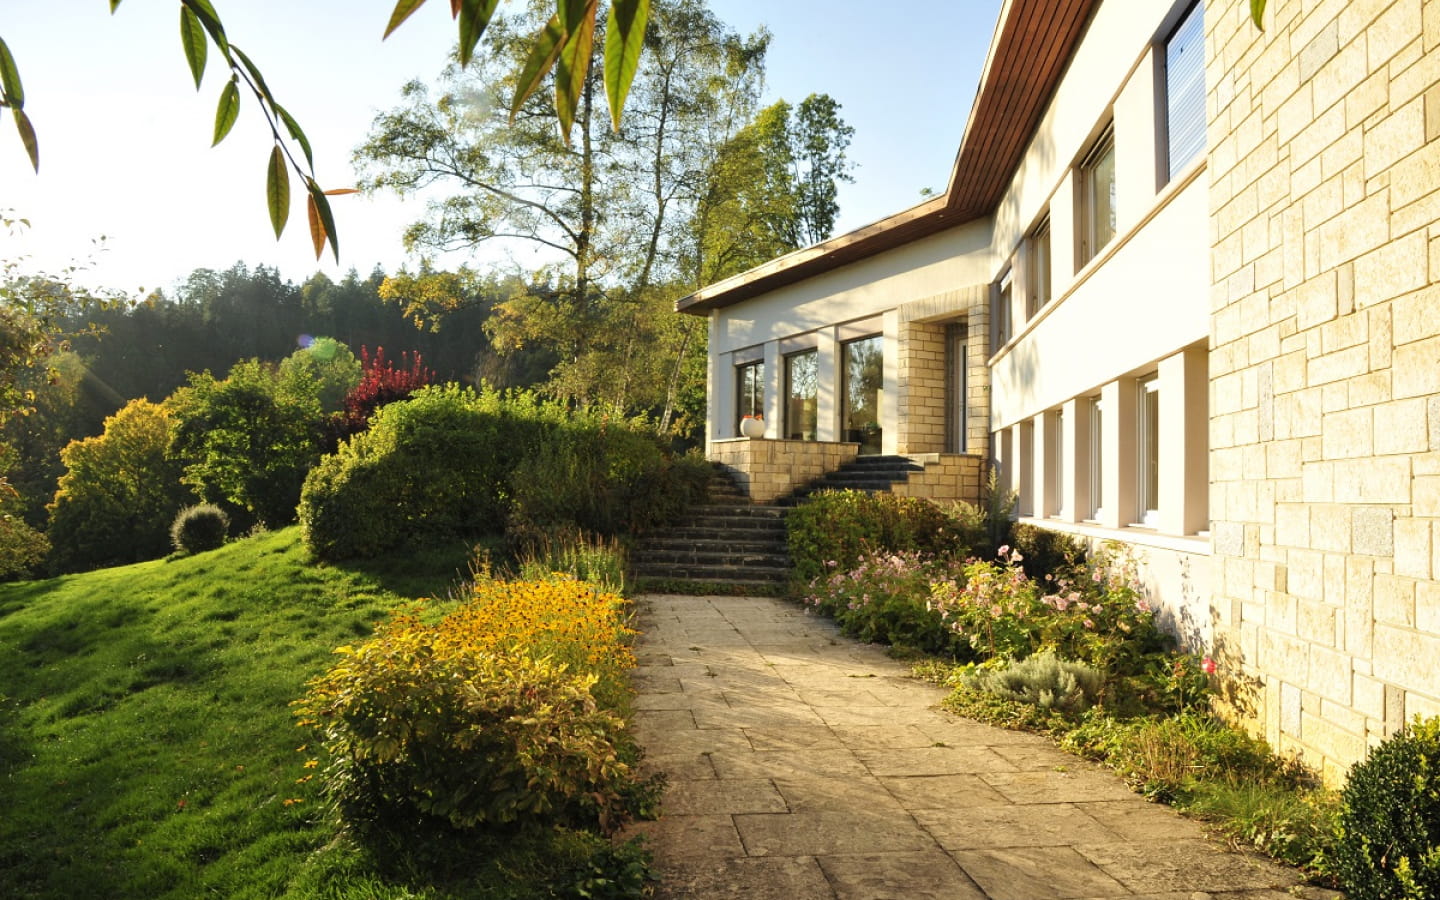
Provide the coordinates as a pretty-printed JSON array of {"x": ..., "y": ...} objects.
[{"x": 505, "y": 710}]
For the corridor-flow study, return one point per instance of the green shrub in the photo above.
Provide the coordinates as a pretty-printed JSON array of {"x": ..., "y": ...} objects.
[
  {"x": 246, "y": 442},
  {"x": 119, "y": 494},
  {"x": 449, "y": 462},
  {"x": 1048, "y": 552},
  {"x": 1166, "y": 759},
  {"x": 199, "y": 528},
  {"x": 1389, "y": 841},
  {"x": 504, "y": 711},
  {"x": 883, "y": 600},
  {"x": 1044, "y": 680},
  {"x": 831, "y": 530}
]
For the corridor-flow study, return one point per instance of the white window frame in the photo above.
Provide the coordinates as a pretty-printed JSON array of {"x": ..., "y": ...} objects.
[
  {"x": 1147, "y": 457},
  {"x": 1087, "y": 233},
  {"x": 1096, "y": 472},
  {"x": 1039, "y": 284}
]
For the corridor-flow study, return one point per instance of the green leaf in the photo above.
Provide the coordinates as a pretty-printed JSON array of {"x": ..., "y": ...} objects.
[
  {"x": 570, "y": 73},
  {"x": 317, "y": 228},
  {"x": 277, "y": 190},
  {"x": 327, "y": 218},
  {"x": 474, "y": 18},
  {"x": 114, "y": 5},
  {"x": 293, "y": 127},
  {"x": 254, "y": 71},
  {"x": 227, "y": 111},
  {"x": 1257, "y": 12},
  {"x": 403, "y": 9},
  {"x": 211, "y": 20},
  {"x": 27, "y": 137},
  {"x": 624, "y": 39},
  {"x": 10, "y": 78},
  {"x": 192, "y": 37},
  {"x": 543, "y": 53}
]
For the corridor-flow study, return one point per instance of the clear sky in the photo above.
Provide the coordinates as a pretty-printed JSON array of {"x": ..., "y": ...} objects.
[{"x": 124, "y": 137}]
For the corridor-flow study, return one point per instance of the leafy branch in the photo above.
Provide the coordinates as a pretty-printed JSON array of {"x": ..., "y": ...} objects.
[{"x": 562, "y": 46}]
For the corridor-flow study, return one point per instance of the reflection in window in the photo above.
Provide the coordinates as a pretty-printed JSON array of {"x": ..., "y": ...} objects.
[
  {"x": 801, "y": 389},
  {"x": 1038, "y": 276},
  {"x": 1097, "y": 185},
  {"x": 1185, "y": 90},
  {"x": 863, "y": 369},
  {"x": 1097, "y": 459},
  {"x": 750, "y": 392}
]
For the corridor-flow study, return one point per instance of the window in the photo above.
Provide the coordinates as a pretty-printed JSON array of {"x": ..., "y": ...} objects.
[
  {"x": 1038, "y": 278},
  {"x": 1056, "y": 435},
  {"x": 862, "y": 366},
  {"x": 1097, "y": 198},
  {"x": 750, "y": 391},
  {"x": 1004, "y": 294},
  {"x": 1097, "y": 459},
  {"x": 1185, "y": 90},
  {"x": 957, "y": 414},
  {"x": 1148, "y": 451},
  {"x": 801, "y": 389}
]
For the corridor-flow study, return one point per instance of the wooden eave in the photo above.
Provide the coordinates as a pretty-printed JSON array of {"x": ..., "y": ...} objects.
[{"x": 1033, "y": 43}]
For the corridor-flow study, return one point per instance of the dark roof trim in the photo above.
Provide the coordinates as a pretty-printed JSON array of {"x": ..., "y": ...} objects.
[{"x": 1033, "y": 42}]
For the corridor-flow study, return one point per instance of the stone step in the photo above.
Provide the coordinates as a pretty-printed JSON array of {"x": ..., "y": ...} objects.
[
  {"x": 701, "y": 533},
  {"x": 770, "y": 574},
  {"x": 709, "y": 556},
  {"x": 723, "y": 540}
]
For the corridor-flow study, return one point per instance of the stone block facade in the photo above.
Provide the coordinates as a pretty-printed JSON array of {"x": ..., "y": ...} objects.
[
  {"x": 767, "y": 470},
  {"x": 1325, "y": 366},
  {"x": 947, "y": 477}
]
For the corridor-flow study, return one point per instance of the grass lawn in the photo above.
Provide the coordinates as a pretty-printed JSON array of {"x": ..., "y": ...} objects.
[{"x": 147, "y": 747}]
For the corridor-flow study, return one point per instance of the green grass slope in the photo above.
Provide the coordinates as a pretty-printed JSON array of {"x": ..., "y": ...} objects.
[{"x": 147, "y": 748}]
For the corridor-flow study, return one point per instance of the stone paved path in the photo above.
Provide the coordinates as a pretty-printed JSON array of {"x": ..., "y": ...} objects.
[{"x": 803, "y": 765}]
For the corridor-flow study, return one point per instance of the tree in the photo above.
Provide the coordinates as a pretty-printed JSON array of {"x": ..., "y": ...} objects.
[
  {"x": 246, "y": 443},
  {"x": 323, "y": 367},
  {"x": 119, "y": 493}
]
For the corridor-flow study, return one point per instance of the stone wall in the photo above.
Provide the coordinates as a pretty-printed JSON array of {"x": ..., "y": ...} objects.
[
  {"x": 767, "y": 470},
  {"x": 1325, "y": 366},
  {"x": 920, "y": 364},
  {"x": 947, "y": 477}
]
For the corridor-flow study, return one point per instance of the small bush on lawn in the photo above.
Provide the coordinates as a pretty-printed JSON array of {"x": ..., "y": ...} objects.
[
  {"x": 503, "y": 711},
  {"x": 831, "y": 530},
  {"x": 1044, "y": 680},
  {"x": 882, "y": 600},
  {"x": 199, "y": 528},
  {"x": 1389, "y": 841}
]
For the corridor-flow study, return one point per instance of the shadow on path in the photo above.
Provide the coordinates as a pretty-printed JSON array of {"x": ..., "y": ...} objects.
[{"x": 803, "y": 765}]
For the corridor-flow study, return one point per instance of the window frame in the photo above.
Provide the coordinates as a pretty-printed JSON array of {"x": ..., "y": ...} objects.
[
  {"x": 1039, "y": 273},
  {"x": 1190, "y": 26},
  {"x": 1147, "y": 451},
  {"x": 1096, "y": 473},
  {"x": 1004, "y": 304},
  {"x": 756, "y": 391},
  {"x": 1087, "y": 234},
  {"x": 791, "y": 432}
]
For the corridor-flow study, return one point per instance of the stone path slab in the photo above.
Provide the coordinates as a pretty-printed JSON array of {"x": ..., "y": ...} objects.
[{"x": 804, "y": 766}]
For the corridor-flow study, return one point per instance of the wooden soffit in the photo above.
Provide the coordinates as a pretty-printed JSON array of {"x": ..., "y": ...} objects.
[{"x": 1033, "y": 42}]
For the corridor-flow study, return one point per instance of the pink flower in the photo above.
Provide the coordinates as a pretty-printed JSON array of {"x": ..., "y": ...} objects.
[
  {"x": 1207, "y": 665},
  {"x": 1089, "y": 624}
]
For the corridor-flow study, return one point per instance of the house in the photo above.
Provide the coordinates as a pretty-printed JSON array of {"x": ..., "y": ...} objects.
[{"x": 1183, "y": 290}]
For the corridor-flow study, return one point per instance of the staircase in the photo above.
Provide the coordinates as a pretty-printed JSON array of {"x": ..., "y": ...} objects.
[
  {"x": 864, "y": 473},
  {"x": 728, "y": 546}
]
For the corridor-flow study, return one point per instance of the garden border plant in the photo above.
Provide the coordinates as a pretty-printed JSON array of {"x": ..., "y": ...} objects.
[{"x": 1054, "y": 639}]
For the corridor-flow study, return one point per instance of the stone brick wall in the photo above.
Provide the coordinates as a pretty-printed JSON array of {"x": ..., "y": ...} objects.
[
  {"x": 947, "y": 476},
  {"x": 767, "y": 470},
  {"x": 1325, "y": 366},
  {"x": 920, "y": 368}
]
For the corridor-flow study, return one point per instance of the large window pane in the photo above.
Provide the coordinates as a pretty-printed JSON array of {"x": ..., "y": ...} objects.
[
  {"x": 1149, "y": 451},
  {"x": 1185, "y": 90},
  {"x": 801, "y": 390},
  {"x": 864, "y": 374},
  {"x": 1097, "y": 179}
]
